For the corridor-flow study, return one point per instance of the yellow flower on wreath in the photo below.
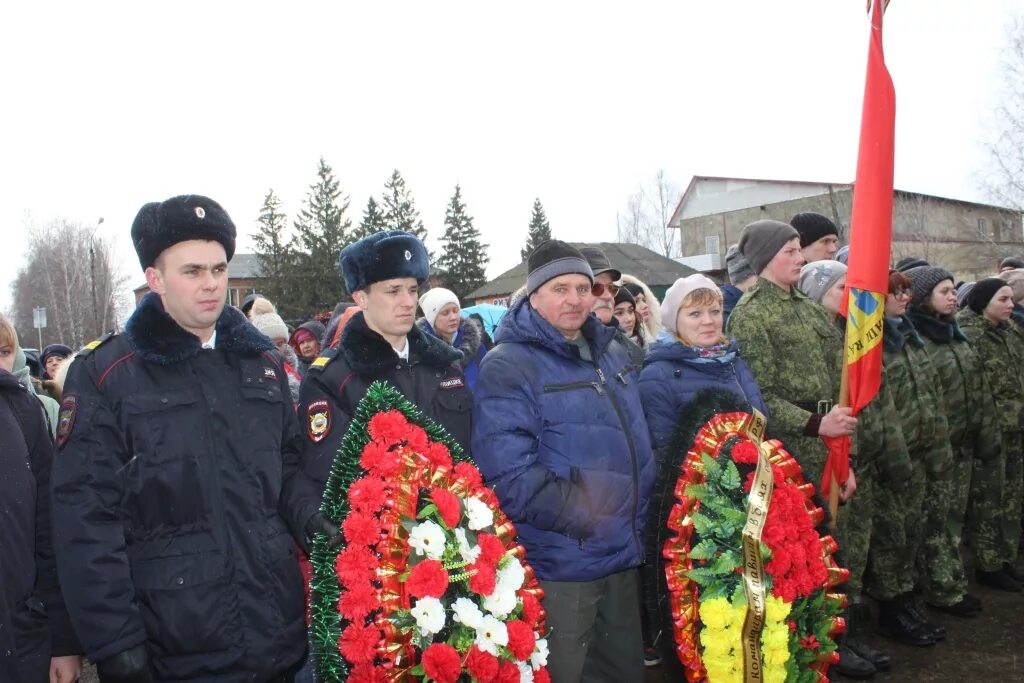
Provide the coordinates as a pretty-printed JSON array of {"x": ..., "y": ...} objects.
[{"x": 720, "y": 639}]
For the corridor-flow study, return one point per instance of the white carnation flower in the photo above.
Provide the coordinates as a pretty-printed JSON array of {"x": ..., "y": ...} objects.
[
  {"x": 468, "y": 553},
  {"x": 428, "y": 538},
  {"x": 490, "y": 634},
  {"x": 480, "y": 516},
  {"x": 511, "y": 576},
  {"x": 525, "y": 672},
  {"x": 500, "y": 603},
  {"x": 539, "y": 657},
  {"x": 429, "y": 615},
  {"x": 467, "y": 612}
]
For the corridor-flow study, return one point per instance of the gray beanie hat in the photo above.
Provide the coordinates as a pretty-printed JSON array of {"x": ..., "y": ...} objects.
[
  {"x": 843, "y": 255},
  {"x": 962, "y": 293},
  {"x": 820, "y": 276},
  {"x": 739, "y": 269},
  {"x": 762, "y": 240},
  {"x": 923, "y": 279}
]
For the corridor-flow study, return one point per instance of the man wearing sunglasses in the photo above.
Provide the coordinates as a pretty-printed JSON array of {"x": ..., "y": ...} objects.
[
  {"x": 559, "y": 433},
  {"x": 604, "y": 291}
]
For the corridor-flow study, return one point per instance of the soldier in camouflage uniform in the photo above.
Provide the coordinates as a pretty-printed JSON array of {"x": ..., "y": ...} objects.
[
  {"x": 970, "y": 414},
  {"x": 878, "y": 432},
  {"x": 899, "y": 530},
  {"x": 987, "y": 324},
  {"x": 792, "y": 347}
]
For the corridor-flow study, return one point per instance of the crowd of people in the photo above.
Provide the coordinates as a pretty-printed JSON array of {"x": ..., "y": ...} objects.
[{"x": 159, "y": 521}]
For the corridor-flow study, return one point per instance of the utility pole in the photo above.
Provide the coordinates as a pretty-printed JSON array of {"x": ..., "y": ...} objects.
[{"x": 92, "y": 272}]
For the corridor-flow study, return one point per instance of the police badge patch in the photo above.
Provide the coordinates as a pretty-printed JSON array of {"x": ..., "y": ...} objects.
[
  {"x": 66, "y": 419},
  {"x": 319, "y": 418}
]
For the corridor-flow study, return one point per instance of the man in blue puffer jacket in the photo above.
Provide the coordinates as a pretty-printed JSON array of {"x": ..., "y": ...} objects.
[{"x": 559, "y": 432}]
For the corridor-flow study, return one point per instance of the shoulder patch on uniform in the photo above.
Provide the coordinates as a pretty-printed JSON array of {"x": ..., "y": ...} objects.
[
  {"x": 323, "y": 359},
  {"x": 66, "y": 419},
  {"x": 95, "y": 344},
  {"x": 318, "y": 418}
]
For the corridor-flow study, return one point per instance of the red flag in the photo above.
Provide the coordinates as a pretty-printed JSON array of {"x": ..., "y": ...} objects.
[{"x": 867, "y": 280}]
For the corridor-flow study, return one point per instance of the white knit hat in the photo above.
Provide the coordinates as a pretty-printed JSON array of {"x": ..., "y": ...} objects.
[
  {"x": 434, "y": 300},
  {"x": 677, "y": 292},
  {"x": 266, "y": 320}
]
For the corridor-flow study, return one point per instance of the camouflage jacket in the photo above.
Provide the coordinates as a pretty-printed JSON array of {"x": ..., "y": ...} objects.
[
  {"x": 917, "y": 394},
  {"x": 1001, "y": 357},
  {"x": 796, "y": 355},
  {"x": 970, "y": 408}
]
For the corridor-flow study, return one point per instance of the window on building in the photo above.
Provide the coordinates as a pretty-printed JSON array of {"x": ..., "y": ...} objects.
[
  {"x": 711, "y": 244},
  {"x": 982, "y": 227}
]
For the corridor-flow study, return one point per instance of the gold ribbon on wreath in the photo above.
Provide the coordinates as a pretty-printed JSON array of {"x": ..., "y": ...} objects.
[{"x": 753, "y": 565}]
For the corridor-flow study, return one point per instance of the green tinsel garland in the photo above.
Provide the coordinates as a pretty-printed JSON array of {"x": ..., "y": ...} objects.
[{"x": 326, "y": 624}]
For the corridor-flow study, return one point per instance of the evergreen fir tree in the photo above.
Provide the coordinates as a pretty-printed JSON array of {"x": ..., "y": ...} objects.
[
  {"x": 400, "y": 210},
  {"x": 539, "y": 230},
  {"x": 463, "y": 258},
  {"x": 274, "y": 254},
  {"x": 372, "y": 221},
  {"x": 321, "y": 231}
]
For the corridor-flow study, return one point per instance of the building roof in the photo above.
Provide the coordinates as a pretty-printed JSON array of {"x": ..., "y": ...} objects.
[
  {"x": 648, "y": 266},
  {"x": 242, "y": 267}
]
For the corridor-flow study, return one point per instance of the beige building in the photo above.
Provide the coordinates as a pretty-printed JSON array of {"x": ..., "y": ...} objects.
[{"x": 965, "y": 237}]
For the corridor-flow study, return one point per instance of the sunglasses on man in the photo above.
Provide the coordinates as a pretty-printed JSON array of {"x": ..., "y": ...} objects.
[{"x": 597, "y": 289}]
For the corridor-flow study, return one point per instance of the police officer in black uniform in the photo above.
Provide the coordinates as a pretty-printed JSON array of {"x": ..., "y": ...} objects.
[
  {"x": 178, "y": 476},
  {"x": 384, "y": 272}
]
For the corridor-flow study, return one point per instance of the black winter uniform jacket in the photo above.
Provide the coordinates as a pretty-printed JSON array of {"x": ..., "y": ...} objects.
[
  {"x": 177, "y": 472},
  {"x": 338, "y": 379},
  {"x": 34, "y": 624}
]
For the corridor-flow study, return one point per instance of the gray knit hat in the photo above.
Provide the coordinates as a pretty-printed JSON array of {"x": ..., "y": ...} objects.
[
  {"x": 552, "y": 258},
  {"x": 962, "y": 292},
  {"x": 739, "y": 269},
  {"x": 762, "y": 240},
  {"x": 908, "y": 262},
  {"x": 923, "y": 279},
  {"x": 820, "y": 276}
]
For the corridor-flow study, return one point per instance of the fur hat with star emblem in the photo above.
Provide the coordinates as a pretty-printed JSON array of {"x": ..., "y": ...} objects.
[
  {"x": 383, "y": 256},
  {"x": 160, "y": 225}
]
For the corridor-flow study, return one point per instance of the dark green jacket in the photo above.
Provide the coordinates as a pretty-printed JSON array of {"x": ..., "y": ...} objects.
[{"x": 1001, "y": 357}]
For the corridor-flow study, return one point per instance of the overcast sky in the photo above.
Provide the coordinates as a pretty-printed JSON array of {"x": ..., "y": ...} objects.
[{"x": 111, "y": 105}]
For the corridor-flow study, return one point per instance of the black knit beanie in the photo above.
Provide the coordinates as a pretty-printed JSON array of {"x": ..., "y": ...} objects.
[
  {"x": 625, "y": 296},
  {"x": 812, "y": 227},
  {"x": 552, "y": 258},
  {"x": 982, "y": 293},
  {"x": 908, "y": 262}
]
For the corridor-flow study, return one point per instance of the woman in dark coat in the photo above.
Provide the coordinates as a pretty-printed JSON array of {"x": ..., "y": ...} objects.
[{"x": 442, "y": 319}]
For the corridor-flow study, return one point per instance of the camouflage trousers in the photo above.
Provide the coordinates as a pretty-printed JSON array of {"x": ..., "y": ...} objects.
[
  {"x": 941, "y": 572},
  {"x": 1013, "y": 497},
  {"x": 896, "y": 533},
  {"x": 984, "y": 525},
  {"x": 853, "y": 530}
]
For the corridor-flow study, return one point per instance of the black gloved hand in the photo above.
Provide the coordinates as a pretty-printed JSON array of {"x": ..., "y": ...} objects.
[
  {"x": 130, "y": 666},
  {"x": 318, "y": 524}
]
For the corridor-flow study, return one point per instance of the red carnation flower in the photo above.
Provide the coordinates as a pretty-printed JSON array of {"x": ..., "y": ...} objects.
[
  {"x": 416, "y": 439},
  {"x": 359, "y": 643},
  {"x": 508, "y": 673},
  {"x": 361, "y": 529},
  {"x": 438, "y": 455},
  {"x": 442, "y": 663},
  {"x": 531, "y": 608},
  {"x": 379, "y": 460},
  {"x": 367, "y": 494},
  {"x": 357, "y": 600},
  {"x": 491, "y": 548},
  {"x": 482, "y": 577},
  {"x": 366, "y": 673},
  {"x": 520, "y": 639},
  {"x": 470, "y": 474},
  {"x": 427, "y": 579},
  {"x": 541, "y": 675},
  {"x": 482, "y": 666},
  {"x": 745, "y": 453},
  {"x": 354, "y": 564},
  {"x": 448, "y": 506},
  {"x": 809, "y": 642},
  {"x": 388, "y": 428}
]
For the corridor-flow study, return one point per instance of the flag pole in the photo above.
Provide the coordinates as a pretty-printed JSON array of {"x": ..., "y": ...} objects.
[{"x": 844, "y": 402}]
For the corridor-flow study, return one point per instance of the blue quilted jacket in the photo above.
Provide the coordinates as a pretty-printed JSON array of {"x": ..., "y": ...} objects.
[{"x": 564, "y": 443}]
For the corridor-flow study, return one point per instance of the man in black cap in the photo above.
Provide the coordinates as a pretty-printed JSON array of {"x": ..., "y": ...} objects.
[
  {"x": 1010, "y": 263},
  {"x": 179, "y": 475},
  {"x": 384, "y": 272},
  {"x": 559, "y": 433},
  {"x": 604, "y": 291},
  {"x": 819, "y": 236}
]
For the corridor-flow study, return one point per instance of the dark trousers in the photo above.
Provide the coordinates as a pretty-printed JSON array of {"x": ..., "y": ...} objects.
[{"x": 595, "y": 629}]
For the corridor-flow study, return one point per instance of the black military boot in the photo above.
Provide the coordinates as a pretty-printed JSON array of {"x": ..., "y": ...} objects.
[
  {"x": 1012, "y": 572},
  {"x": 851, "y": 664},
  {"x": 916, "y": 612},
  {"x": 968, "y": 606},
  {"x": 858, "y": 617},
  {"x": 997, "y": 579},
  {"x": 894, "y": 622}
]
